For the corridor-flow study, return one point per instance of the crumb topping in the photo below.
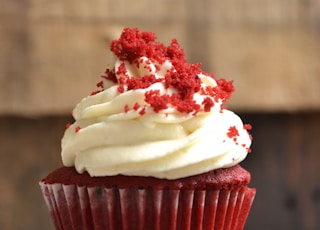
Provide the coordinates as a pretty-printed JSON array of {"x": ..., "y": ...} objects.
[
  {"x": 233, "y": 132},
  {"x": 183, "y": 77},
  {"x": 77, "y": 129},
  {"x": 68, "y": 125}
]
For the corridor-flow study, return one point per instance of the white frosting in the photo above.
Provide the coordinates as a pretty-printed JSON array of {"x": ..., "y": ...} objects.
[{"x": 165, "y": 144}]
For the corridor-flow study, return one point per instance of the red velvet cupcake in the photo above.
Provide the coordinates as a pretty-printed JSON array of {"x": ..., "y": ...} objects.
[{"x": 152, "y": 148}]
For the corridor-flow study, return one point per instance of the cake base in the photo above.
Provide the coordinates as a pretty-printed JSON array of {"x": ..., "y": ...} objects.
[{"x": 206, "y": 201}]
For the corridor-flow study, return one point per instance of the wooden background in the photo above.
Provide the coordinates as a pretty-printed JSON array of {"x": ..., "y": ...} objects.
[{"x": 53, "y": 52}]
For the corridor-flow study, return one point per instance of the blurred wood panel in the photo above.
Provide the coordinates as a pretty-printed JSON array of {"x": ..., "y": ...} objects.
[
  {"x": 285, "y": 170},
  {"x": 284, "y": 165},
  {"x": 52, "y": 53},
  {"x": 29, "y": 148}
]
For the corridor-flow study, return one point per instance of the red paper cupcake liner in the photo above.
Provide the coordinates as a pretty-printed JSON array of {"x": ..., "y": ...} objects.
[{"x": 79, "y": 207}]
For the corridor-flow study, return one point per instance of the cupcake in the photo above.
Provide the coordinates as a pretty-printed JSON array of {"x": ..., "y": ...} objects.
[{"x": 154, "y": 147}]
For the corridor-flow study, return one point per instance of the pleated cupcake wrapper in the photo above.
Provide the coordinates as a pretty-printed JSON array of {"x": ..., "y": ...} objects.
[{"x": 79, "y": 207}]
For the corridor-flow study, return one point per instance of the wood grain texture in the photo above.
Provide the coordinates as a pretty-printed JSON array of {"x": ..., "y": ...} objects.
[
  {"x": 52, "y": 53},
  {"x": 285, "y": 170},
  {"x": 29, "y": 149},
  {"x": 284, "y": 165}
]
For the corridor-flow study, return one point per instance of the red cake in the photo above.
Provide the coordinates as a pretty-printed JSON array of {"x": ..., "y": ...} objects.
[
  {"x": 153, "y": 148},
  {"x": 232, "y": 178},
  {"x": 218, "y": 199}
]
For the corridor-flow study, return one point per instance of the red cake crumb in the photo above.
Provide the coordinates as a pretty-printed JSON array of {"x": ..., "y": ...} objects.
[
  {"x": 138, "y": 83},
  {"x": 142, "y": 111},
  {"x": 110, "y": 75},
  {"x": 183, "y": 77},
  {"x": 100, "y": 84},
  {"x": 134, "y": 44},
  {"x": 233, "y": 132},
  {"x": 224, "y": 89},
  {"x": 121, "y": 89},
  {"x": 95, "y": 92},
  {"x": 208, "y": 103},
  {"x": 126, "y": 108},
  {"x": 77, "y": 129},
  {"x": 247, "y": 126},
  {"x": 136, "y": 106},
  {"x": 157, "y": 101}
]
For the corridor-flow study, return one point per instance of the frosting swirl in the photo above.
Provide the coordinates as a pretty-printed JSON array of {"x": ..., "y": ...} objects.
[{"x": 154, "y": 115}]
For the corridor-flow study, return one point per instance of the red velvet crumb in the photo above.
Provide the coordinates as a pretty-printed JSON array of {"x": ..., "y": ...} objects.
[
  {"x": 68, "y": 125},
  {"x": 77, "y": 129},
  {"x": 126, "y": 108},
  {"x": 183, "y": 78},
  {"x": 233, "y": 132}
]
